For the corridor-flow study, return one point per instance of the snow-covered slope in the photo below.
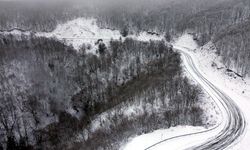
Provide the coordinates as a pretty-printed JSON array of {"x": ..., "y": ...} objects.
[
  {"x": 212, "y": 66},
  {"x": 186, "y": 41},
  {"x": 86, "y": 31},
  {"x": 212, "y": 118},
  {"x": 215, "y": 71},
  {"x": 81, "y": 30},
  {"x": 233, "y": 121},
  {"x": 144, "y": 36}
]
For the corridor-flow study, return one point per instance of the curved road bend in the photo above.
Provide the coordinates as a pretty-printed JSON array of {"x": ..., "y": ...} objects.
[{"x": 233, "y": 124}]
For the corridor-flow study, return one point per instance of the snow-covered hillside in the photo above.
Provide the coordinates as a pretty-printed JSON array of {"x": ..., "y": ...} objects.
[
  {"x": 215, "y": 71},
  {"x": 86, "y": 31},
  {"x": 212, "y": 66},
  {"x": 81, "y": 31},
  {"x": 212, "y": 117}
]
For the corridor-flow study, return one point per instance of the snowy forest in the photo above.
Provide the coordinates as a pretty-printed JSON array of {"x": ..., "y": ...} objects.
[
  {"x": 41, "y": 78},
  {"x": 225, "y": 22},
  {"x": 53, "y": 96}
]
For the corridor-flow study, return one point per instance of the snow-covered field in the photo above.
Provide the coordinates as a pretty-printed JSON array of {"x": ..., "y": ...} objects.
[
  {"x": 81, "y": 31},
  {"x": 86, "y": 31}
]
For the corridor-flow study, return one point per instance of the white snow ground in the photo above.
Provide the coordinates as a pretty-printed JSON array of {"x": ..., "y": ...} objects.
[
  {"x": 144, "y": 141},
  {"x": 86, "y": 31},
  {"x": 213, "y": 118},
  {"x": 81, "y": 30},
  {"x": 212, "y": 68},
  {"x": 208, "y": 63}
]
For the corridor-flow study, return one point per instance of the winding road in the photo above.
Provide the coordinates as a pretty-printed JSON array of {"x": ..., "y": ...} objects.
[{"x": 222, "y": 136}]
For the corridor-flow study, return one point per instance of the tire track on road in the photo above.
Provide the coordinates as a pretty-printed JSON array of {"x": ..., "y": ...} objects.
[{"x": 234, "y": 126}]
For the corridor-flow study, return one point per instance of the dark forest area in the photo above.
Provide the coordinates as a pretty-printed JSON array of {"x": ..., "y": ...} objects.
[
  {"x": 51, "y": 94},
  {"x": 41, "y": 78}
]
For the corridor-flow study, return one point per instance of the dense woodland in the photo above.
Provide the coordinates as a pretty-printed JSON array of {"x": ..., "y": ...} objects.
[
  {"x": 210, "y": 20},
  {"x": 42, "y": 79}
]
